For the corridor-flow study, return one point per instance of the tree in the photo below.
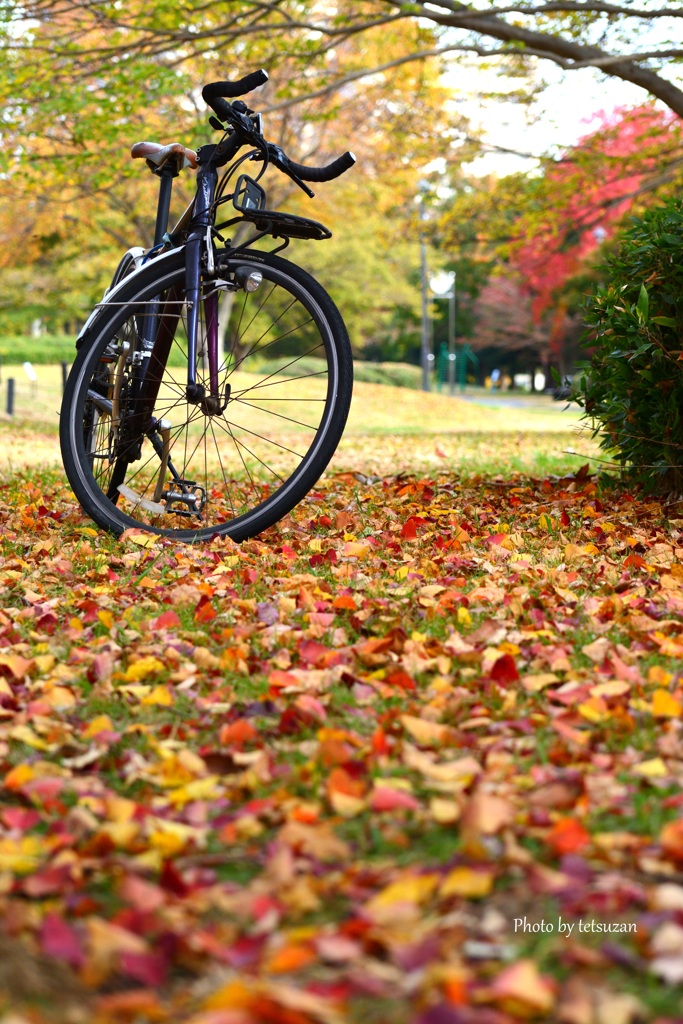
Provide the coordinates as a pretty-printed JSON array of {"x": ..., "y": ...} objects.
[
  {"x": 614, "y": 37},
  {"x": 71, "y": 199},
  {"x": 541, "y": 231}
]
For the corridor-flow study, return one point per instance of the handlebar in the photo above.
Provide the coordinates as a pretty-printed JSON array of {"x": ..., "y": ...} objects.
[
  {"x": 327, "y": 173},
  {"x": 232, "y": 89},
  {"x": 215, "y": 94}
]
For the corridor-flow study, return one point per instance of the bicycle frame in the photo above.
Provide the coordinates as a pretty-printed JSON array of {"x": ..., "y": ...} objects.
[{"x": 199, "y": 220}]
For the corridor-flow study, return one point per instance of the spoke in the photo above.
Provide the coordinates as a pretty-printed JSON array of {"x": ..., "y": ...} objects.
[
  {"x": 227, "y": 429},
  {"x": 237, "y": 441},
  {"x": 274, "y": 341},
  {"x": 261, "y": 437},
  {"x": 281, "y": 416},
  {"x": 225, "y": 479},
  {"x": 287, "y": 380}
]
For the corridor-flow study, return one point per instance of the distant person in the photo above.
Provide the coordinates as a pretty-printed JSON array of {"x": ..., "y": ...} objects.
[{"x": 495, "y": 377}]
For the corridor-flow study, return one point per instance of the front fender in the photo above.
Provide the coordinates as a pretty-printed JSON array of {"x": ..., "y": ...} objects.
[{"x": 136, "y": 259}]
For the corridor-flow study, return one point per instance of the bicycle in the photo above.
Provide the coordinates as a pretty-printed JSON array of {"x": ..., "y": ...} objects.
[{"x": 235, "y": 444}]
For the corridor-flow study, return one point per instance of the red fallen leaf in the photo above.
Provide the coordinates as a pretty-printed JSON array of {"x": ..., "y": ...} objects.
[
  {"x": 280, "y": 680},
  {"x": 171, "y": 879},
  {"x": 88, "y": 611},
  {"x": 671, "y": 839},
  {"x": 409, "y": 530},
  {"x": 313, "y": 653},
  {"x": 167, "y": 620},
  {"x": 344, "y": 602},
  {"x": 402, "y": 680},
  {"x": 380, "y": 744},
  {"x": 568, "y": 836},
  {"x": 204, "y": 610},
  {"x": 634, "y": 562},
  {"x": 43, "y": 511},
  {"x": 289, "y": 554},
  {"x": 143, "y": 895},
  {"x": 294, "y": 719},
  {"x": 138, "y": 1004},
  {"x": 495, "y": 538},
  {"x": 310, "y": 704},
  {"x": 20, "y": 817},
  {"x": 504, "y": 670},
  {"x": 149, "y": 968},
  {"x": 61, "y": 940},
  {"x": 564, "y": 518},
  {"x": 47, "y": 882},
  {"x": 341, "y": 780},
  {"x": 43, "y": 790},
  {"x": 238, "y": 733},
  {"x": 384, "y": 798}
]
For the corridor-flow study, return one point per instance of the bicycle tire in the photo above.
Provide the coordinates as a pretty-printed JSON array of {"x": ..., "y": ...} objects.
[{"x": 287, "y": 318}]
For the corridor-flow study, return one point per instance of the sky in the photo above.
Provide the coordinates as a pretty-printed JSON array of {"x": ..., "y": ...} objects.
[{"x": 562, "y": 113}]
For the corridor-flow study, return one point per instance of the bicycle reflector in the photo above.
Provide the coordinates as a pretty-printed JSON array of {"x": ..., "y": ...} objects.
[{"x": 248, "y": 195}]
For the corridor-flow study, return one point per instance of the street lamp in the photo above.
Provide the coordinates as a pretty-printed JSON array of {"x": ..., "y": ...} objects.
[
  {"x": 443, "y": 285},
  {"x": 425, "y": 347}
]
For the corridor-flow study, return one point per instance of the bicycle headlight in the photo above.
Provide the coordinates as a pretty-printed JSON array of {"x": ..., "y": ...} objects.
[{"x": 248, "y": 279}]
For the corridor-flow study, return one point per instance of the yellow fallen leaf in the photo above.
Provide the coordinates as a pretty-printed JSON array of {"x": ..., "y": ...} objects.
[
  {"x": 25, "y": 734},
  {"x": 160, "y": 695},
  {"x": 208, "y": 788},
  {"x": 60, "y": 697},
  {"x": 356, "y": 549},
  {"x": 23, "y": 855},
  {"x": 486, "y": 814},
  {"x": 665, "y": 706},
  {"x": 234, "y": 995},
  {"x": 139, "y": 537},
  {"x": 612, "y": 688},
  {"x": 658, "y": 676},
  {"x": 345, "y": 803},
  {"x": 652, "y": 769},
  {"x": 171, "y": 837},
  {"x": 520, "y": 989},
  {"x": 106, "y": 618},
  {"x": 142, "y": 668},
  {"x": 595, "y": 710},
  {"x": 102, "y": 723},
  {"x": 538, "y": 682},
  {"x": 463, "y": 616},
  {"x": 122, "y": 833},
  {"x": 411, "y": 889},
  {"x": 465, "y": 882},
  {"x": 444, "y": 811},
  {"x": 424, "y": 732}
]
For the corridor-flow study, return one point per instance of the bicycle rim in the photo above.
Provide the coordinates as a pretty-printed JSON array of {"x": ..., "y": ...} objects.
[{"x": 236, "y": 462}]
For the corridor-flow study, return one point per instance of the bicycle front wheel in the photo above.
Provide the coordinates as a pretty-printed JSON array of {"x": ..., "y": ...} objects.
[{"x": 138, "y": 453}]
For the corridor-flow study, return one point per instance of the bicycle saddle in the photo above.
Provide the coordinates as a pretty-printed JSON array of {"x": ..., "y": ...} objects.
[{"x": 155, "y": 153}]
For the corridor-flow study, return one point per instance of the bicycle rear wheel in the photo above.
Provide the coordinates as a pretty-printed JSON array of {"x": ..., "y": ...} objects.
[{"x": 137, "y": 453}]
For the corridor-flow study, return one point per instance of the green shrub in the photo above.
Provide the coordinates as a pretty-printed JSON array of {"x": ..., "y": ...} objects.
[
  {"x": 632, "y": 389},
  {"x": 46, "y": 350}
]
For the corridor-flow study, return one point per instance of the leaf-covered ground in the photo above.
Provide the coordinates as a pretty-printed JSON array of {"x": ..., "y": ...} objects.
[{"x": 413, "y": 756}]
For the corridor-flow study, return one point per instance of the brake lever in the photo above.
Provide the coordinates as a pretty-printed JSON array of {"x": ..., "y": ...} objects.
[{"x": 278, "y": 157}]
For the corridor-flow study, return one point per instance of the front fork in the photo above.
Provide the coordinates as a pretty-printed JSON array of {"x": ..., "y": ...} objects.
[{"x": 199, "y": 251}]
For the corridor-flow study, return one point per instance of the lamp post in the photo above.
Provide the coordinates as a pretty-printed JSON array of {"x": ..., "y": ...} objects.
[
  {"x": 425, "y": 347},
  {"x": 443, "y": 285}
]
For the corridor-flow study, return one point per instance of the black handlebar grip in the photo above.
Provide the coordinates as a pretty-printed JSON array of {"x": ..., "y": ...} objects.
[
  {"x": 230, "y": 90},
  {"x": 333, "y": 170}
]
